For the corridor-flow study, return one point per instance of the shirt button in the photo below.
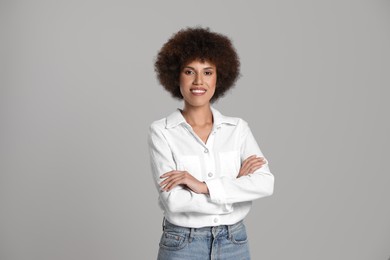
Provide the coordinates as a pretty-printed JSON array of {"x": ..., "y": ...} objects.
[
  {"x": 206, "y": 150},
  {"x": 215, "y": 220},
  {"x": 210, "y": 174}
]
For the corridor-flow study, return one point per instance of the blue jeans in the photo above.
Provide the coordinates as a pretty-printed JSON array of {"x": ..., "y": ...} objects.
[{"x": 213, "y": 243}]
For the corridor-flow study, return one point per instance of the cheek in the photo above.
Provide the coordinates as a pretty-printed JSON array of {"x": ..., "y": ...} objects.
[
  {"x": 213, "y": 82},
  {"x": 181, "y": 81},
  {"x": 184, "y": 81},
  {"x": 184, "y": 86}
]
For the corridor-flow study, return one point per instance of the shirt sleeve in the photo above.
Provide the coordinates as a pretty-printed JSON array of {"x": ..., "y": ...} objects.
[
  {"x": 245, "y": 188},
  {"x": 179, "y": 199}
]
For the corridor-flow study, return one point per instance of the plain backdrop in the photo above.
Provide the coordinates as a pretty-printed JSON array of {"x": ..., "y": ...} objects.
[{"x": 78, "y": 92}]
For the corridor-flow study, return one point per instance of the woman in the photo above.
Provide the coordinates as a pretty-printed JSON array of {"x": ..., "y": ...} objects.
[{"x": 207, "y": 166}]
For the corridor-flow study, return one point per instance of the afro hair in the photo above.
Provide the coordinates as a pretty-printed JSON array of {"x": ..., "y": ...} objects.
[{"x": 197, "y": 43}]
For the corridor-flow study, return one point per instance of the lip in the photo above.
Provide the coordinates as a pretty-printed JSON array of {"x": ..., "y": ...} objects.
[
  {"x": 198, "y": 94},
  {"x": 198, "y": 89}
]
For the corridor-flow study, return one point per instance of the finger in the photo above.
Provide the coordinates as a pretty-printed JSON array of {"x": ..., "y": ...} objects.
[
  {"x": 173, "y": 183},
  {"x": 255, "y": 164},
  {"x": 255, "y": 167},
  {"x": 184, "y": 178},
  {"x": 244, "y": 174},
  {"x": 169, "y": 178},
  {"x": 249, "y": 163},
  {"x": 173, "y": 178},
  {"x": 252, "y": 159},
  {"x": 167, "y": 181},
  {"x": 255, "y": 157},
  {"x": 249, "y": 159},
  {"x": 256, "y": 161},
  {"x": 251, "y": 169},
  {"x": 167, "y": 174},
  {"x": 244, "y": 169}
]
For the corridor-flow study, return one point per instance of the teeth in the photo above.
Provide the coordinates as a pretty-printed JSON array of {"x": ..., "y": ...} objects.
[{"x": 198, "y": 91}]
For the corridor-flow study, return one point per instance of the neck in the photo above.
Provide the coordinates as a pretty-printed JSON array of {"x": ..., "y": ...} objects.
[{"x": 197, "y": 116}]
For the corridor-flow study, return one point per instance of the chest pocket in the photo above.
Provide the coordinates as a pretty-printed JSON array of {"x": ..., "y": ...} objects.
[
  {"x": 230, "y": 163},
  {"x": 191, "y": 164}
]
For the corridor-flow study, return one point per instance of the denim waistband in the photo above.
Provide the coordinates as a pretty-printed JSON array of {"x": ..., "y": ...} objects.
[{"x": 203, "y": 230}]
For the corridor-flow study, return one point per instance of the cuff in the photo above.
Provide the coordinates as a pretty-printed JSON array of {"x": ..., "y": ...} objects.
[{"x": 216, "y": 190}]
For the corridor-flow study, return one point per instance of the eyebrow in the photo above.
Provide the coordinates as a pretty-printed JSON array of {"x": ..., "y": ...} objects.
[{"x": 207, "y": 68}]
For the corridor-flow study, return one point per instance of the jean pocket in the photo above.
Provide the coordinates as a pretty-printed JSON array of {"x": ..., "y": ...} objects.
[
  {"x": 239, "y": 235},
  {"x": 172, "y": 240}
]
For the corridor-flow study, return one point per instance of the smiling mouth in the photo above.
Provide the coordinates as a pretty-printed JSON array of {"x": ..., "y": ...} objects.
[{"x": 198, "y": 90}]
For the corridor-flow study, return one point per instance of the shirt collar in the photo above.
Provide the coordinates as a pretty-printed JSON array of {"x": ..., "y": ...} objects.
[{"x": 176, "y": 118}]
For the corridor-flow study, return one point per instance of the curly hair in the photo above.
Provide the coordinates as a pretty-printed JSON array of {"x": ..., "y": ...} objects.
[{"x": 197, "y": 43}]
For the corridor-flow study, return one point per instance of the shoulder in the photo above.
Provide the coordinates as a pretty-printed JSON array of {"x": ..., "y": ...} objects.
[
  {"x": 155, "y": 135},
  {"x": 156, "y": 128},
  {"x": 234, "y": 121},
  {"x": 239, "y": 122},
  {"x": 159, "y": 123},
  {"x": 242, "y": 126}
]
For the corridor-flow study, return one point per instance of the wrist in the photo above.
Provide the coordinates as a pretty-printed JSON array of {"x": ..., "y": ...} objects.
[{"x": 205, "y": 189}]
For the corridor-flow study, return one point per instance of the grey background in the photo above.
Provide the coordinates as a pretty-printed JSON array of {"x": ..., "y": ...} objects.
[{"x": 78, "y": 92}]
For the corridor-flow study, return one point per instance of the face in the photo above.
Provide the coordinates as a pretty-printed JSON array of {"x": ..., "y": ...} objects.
[{"x": 197, "y": 82}]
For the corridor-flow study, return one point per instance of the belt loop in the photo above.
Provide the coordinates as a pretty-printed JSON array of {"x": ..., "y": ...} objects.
[
  {"x": 163, "y": 223},
  {"x": 192, "y": 230},
  {"x": 229, "y": 231}
]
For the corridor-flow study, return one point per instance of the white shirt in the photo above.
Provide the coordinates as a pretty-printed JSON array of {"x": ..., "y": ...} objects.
[{"x": 173, "y": 145}]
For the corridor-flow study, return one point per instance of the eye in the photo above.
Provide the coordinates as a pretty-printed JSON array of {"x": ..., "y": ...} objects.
[
  {"x": 208, "y": 73},
  {"x": 188, "y": 72}
]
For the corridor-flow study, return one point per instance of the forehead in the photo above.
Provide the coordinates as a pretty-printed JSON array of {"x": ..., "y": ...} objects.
[{"x": 198, "y": 63}]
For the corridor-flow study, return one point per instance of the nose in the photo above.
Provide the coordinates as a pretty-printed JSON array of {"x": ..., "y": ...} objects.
[{"x": 198, "y": 79}]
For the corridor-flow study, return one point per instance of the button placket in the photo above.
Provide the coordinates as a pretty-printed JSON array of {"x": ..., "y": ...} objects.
[
  {"x": 209, "y": 158},
  {"x": 207, "y": 150}
]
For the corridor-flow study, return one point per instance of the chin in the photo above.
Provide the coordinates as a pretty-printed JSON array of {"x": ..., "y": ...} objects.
[{"x": 197, "y": 103}]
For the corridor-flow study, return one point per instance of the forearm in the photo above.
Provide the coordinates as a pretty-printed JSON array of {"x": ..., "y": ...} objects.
[
  {"x": 183, "y": 200},
  {"x": 246, "y": 188}
]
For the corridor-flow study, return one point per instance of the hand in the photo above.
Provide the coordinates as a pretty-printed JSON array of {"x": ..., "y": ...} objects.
[
  {"x": 251, "y": 164},
  {"x": 174, "y": 178}
]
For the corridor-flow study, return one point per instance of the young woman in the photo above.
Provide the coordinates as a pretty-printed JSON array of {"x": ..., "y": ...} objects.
[{"x": 207, "y": 167}]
